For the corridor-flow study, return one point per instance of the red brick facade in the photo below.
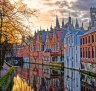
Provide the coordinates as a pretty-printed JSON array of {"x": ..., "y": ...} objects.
[{"x": 88, "y": 47}]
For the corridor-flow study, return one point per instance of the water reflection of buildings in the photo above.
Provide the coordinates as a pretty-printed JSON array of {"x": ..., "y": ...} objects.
[
  {"x": 47, "y": 79},
  {"x": 88, "y": 83},
  {"x": 71, "y": 80},
  {"x": 75, "y": 81}
]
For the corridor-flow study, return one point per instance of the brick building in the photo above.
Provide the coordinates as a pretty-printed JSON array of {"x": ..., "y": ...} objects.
[
  {"x": 88, "y": 50},
  {"x": 47, "y": 46},
  {"x": 88, "y": 45}
]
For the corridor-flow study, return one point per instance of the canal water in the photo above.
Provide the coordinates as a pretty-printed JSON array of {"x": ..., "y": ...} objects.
[{"x": 44, "y": 78}]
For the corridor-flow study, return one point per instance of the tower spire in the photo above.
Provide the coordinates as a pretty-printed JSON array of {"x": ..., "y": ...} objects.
[
  {"x": 82, "y": 27},
  {"x": 35, "y": 32},
  {"x": 90, "y": 25},
  {"x": 47, "y": 31},
  {"x": 63, "y": 23},
  {"x": 51, "y": 27},
  {"x": 69, "y": 18},
  {"x": 72, "y": 24},
  {"x": 77, "y": 24},
  {"x": 93, "y": 16},
  {"x": 57, "y": 23}
]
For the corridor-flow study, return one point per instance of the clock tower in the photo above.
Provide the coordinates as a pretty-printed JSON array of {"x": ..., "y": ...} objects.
[{"x": 93, "y": 16}]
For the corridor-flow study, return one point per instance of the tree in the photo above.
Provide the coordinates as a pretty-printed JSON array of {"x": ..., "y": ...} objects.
[{"x": 12, "y": 16}]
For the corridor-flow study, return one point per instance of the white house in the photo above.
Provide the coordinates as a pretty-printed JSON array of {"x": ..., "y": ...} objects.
[{"x": 72, "y": 48}]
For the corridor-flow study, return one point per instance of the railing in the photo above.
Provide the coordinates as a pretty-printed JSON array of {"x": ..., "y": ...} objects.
[{"x": 6, "y": 80}]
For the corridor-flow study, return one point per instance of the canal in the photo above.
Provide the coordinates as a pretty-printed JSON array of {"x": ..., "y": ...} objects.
[{"x": 44, "y": 78}]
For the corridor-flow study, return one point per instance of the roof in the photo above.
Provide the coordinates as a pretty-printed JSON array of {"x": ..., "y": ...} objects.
[
  {"x": 62, "y": 35},
  {"x": 48, "y": 50},
  {"x": 76, "y": 31},
  {"x": 43, "y": 35},
  {"x": 90, "y": 31}
]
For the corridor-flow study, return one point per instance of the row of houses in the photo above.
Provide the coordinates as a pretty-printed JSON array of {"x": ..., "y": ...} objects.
[{"x": 69, "y": 44}]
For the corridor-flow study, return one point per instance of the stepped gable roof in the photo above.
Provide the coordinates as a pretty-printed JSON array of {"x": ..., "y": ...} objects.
[{"x": 43, "y": 35}]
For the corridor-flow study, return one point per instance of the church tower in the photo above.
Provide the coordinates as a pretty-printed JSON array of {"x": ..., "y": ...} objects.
[
  {"x": 93, "y": 16},
  {"x": 57, "y": 23},
  {"x": 77, "y": 24}
]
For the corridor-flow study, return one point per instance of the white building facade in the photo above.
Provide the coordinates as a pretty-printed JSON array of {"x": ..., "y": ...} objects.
[{"x": 72, "y": 48}]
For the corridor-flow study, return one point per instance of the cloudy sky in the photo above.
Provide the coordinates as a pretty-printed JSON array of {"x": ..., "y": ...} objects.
[{"x": 48, "y": 9}]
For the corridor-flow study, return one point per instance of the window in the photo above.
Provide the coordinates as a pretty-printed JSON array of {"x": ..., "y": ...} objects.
[
  {"x": 88, "y": 39},
  {"x": 47, "y": 71},
  {"x": 46, "y": 58},
  {"x": 42, "y": 47},
  {"x": 72, "y": 39},
  {"x": 88, "y": 52},
  {"x": 81, "y": 52},
  {"x": 76, "y": 47},
  {"x": 92, "y": 38},
  {"x": 76, "y": 57},
  {"x": 72, "y": 53},
  {"x": 56, "y": 46},
  {"x": 92, "y": 52},
  {"x": 81, "y": 41},
  {"x": 33, "y": 48}
]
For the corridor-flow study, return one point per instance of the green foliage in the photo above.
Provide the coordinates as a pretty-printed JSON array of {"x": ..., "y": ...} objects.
[
  {"x": 88, "y": 72},
  {"x": 4, "y": 78}
]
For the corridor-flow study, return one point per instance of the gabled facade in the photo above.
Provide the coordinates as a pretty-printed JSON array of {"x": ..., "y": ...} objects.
[
  {"x": 72, "y": 45},
  {"x": 49, "y": 44},
  {"x": 72, "y": 48}
]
